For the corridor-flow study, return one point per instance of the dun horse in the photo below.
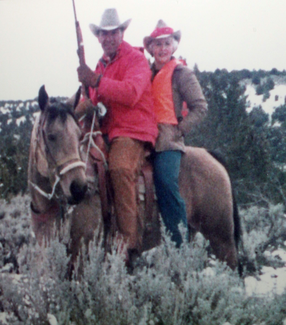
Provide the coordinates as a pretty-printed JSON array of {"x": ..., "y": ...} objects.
[
  {"x": 211, "y": 208},
  {"x": 204, "y": 183},
  {"x": 57, "y": 175}
]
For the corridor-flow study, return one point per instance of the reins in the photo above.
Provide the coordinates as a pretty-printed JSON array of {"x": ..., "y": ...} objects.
[
  {"x": 91, "y": 144},
  {"x": 49, "y": 196},
  {"x": 96, "y": 151}
]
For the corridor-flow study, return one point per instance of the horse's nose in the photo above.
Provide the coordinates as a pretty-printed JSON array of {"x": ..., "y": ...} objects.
[{"x": 78, "y": 191}]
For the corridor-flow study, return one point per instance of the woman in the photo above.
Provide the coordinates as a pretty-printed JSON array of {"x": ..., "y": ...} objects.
[{"x": 173, "y": 84}]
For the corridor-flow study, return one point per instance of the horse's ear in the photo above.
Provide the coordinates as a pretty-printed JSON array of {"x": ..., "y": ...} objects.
[
  {"x": 77, "y": 97},
  {"x": 73, "y": 101},
  {"x": 43, "y": 98}
]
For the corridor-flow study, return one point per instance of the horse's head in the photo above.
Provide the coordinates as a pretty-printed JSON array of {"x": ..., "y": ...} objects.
[{"x": 58, "y": 141}]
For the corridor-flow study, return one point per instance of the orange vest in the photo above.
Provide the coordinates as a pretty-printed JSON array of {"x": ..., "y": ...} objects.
[{"x": 163, "y": 96}]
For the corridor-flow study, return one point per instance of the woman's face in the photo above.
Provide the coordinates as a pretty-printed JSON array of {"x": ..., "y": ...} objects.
[{"x": 163, "y": 50}]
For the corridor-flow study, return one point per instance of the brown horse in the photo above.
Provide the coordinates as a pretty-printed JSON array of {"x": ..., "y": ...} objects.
[
  {"x": 211, "y": 208},
  {"x": 57, "y": 175},
  {"x": 206, "y": 188},
  {"x": 204, "y": 183}
]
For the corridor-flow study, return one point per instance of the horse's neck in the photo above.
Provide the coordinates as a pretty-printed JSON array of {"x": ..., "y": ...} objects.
[
  {"x": 38, "y": 160},
  {"x": 39, "y": 201},
  {"x": 90, "y": 123}
]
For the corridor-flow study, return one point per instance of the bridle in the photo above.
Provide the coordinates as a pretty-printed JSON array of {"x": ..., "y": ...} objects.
[{"x": 60, "y": 168}]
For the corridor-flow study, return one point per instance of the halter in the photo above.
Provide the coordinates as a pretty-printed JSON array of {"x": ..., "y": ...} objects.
[{"x": 60, "y": 169}]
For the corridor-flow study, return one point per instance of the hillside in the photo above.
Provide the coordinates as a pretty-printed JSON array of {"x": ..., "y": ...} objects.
[
  {"x": 277, "y": 95},
  {"x": 245, "y": 124}
]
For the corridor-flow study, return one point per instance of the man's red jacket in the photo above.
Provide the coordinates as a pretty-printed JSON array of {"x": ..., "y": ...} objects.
[{"x": 125, "y": 90}]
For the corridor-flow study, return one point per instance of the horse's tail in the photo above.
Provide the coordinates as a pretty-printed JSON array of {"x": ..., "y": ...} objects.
[{"x": 236, "y": 218}]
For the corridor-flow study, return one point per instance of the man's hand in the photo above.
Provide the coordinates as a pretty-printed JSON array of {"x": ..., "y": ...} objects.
[
  {"x": 87, "y": 76},
  {"x": 83, "y": 108}
]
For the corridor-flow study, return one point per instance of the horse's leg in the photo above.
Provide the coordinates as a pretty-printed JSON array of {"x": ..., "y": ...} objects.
[
  {"x": 86, "y": 222},
  {"x": 191, "y": 233},
  {"x": 221, "y": 237},
  {"x": 220, "y": 233},
  {"x": 225, "y": 250},
  {"x": 43, "y": 230},
  {"x": 207, "y": 190},
  {"x": 43, "y": 224}
]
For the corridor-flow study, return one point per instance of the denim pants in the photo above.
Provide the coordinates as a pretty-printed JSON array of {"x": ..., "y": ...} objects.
[{"x": 171, "y": 204}]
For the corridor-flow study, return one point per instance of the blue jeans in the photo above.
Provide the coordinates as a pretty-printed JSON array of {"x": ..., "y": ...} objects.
[{"x": 171, "y": 204}]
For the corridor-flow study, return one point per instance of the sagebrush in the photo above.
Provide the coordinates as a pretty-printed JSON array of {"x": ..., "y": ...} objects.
[{"x": 167, "y": 285}]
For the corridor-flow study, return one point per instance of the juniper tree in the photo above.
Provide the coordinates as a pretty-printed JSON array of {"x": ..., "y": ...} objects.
[{"x": 229, "y": 129}]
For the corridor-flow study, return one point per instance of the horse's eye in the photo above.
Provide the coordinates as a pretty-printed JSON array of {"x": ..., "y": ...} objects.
[{"x": 52, "y": 137}]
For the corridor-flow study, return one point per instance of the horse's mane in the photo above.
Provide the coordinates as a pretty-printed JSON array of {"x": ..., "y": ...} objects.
[
  {"x": 219, "y": 157},
  {"x": 58, "y": 109}
]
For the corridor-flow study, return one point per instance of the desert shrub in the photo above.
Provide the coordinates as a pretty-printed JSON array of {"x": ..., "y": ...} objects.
[
  {"x": 266, "y": 95},
  {"x": 269, "y": 84},
  {"x": 14, "y": 229},
  {"x": 167, "y": 285},
  {"x": 259, "y": 90},
  {"x": 265, "y": 87},
  {"x": 264, "y": 229},
  {"x": 255, "y": 80}
]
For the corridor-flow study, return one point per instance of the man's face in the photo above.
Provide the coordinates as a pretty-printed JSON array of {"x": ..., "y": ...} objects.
[{"x": 110, "y": 41}]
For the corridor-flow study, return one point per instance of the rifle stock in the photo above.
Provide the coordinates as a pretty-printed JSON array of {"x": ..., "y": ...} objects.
[{"x": 80, "y": 46}]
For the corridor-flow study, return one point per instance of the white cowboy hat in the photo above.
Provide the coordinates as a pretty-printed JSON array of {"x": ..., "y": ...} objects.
[
  {"x": 109, "y": 21},
  {"x": 161, "y": 31}
]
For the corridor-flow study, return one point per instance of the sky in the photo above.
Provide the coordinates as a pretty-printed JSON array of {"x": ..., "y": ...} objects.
[{"x": 38, "y": 39}]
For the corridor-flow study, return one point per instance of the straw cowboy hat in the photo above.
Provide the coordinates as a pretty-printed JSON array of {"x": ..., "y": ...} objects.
[
  {"x": 161, "y": 31},
  {"x": 109, "y": 21}
]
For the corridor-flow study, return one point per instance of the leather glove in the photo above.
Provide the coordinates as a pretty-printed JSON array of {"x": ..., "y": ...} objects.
[{"x": 87, "y": 76}]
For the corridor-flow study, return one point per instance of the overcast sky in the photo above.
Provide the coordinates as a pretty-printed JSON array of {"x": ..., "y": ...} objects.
[{"x": 38, "y": 42}]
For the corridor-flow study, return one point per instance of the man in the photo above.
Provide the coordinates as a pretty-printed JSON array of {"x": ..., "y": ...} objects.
[{"x": 121, "y": 81}]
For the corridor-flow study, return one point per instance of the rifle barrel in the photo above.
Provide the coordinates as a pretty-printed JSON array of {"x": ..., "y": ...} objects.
[
  {"x": 80, "y": 44},
  {"x": 74, "y": 11}
]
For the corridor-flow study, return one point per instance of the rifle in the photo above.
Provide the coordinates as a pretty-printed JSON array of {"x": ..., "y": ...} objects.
[{"x": 80, "y": 46}]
